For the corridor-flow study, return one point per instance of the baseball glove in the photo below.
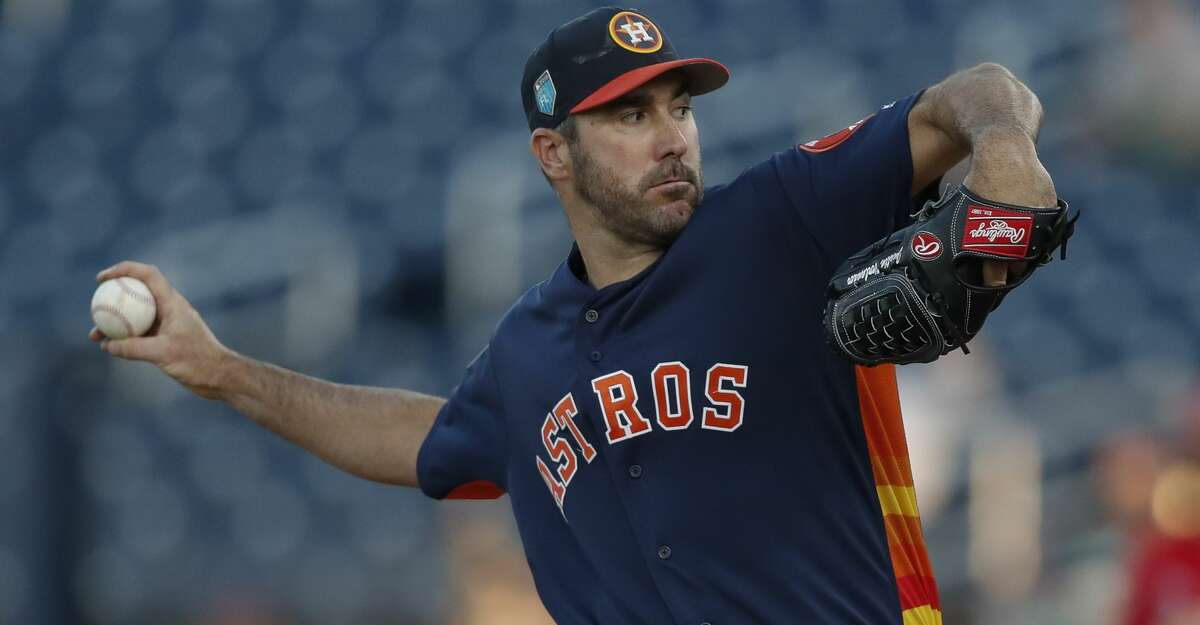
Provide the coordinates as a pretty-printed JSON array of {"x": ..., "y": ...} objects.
[{"x": 919, "y": 293}]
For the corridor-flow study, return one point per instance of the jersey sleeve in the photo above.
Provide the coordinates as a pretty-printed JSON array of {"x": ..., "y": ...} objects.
[
  {"x": 852, "y": 187},
  {"x": 463, "y": 456}
]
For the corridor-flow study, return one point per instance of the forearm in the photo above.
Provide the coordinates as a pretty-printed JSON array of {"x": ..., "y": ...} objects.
[
  {"x": 374, "y": 433},
  {"x": 995, "y": 119}
]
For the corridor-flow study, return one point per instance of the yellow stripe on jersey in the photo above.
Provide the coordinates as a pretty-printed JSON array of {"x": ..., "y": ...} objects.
[
  {"x": 923, "y": 615},
  {"x": 897, "y": 499}
]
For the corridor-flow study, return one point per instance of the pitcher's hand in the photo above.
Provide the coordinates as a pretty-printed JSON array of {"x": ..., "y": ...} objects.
[
  {"x": 179, "y": 342},
  {"x": 1021, "y": 180}
]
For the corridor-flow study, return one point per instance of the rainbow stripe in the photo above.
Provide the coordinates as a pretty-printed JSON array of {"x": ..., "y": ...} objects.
[{"x": 879, "y": 403}]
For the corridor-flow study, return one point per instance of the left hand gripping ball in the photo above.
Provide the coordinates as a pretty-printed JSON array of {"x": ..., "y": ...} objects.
[{"x": 123, "y": 307}]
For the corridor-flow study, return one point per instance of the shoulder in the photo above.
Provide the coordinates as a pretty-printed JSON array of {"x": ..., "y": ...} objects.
[
  {"x": 748, "y": 189},
  {"x": 749, "y": 216},
  {"x": 533, "y": 303},
  {"x": 536, "y": 302},
  {"x": 538, "y": 310},
  {"x": 767, "y": 188}
]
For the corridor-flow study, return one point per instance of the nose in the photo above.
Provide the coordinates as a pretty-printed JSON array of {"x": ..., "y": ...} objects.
[{"x": 671, "y": 139}]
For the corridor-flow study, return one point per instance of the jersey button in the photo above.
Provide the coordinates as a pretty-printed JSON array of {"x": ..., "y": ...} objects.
[
  {"x": 664, "y": 553},
  {"x": 591, "y": 315},
  {"x": 594, "y": 356},
  {"x": 635, "y": 471}
]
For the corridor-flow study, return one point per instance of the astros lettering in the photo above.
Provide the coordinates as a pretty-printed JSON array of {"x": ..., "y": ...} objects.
[{"x": 617, "y": 393}]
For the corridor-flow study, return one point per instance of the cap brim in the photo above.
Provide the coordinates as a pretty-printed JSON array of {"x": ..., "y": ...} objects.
[{"x": 704, "y": 75}]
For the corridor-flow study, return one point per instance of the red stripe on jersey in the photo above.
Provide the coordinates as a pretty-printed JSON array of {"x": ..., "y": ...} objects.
[
  {"x": 479, "y": 489},
  {"x": 915, "y": 591}
]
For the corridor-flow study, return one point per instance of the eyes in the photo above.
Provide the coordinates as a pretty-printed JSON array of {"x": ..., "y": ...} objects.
[{"x": 635, "y": 117}]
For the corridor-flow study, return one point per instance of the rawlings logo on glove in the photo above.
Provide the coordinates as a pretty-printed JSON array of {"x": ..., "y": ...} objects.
[
  {"x": 919, "y": 293},
  {"x": 926, "y": 246}
]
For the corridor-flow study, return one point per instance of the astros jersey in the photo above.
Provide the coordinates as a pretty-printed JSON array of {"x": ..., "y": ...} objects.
[{"x": 682, "y": 447}]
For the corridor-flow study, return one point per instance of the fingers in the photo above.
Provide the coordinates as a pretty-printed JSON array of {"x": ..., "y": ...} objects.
[
  {"x": 995, "y": 273},
  {"x": 151, "y": 349},
  {"x": 159, "y": 287},
  {"x": 96, "y": 335}
]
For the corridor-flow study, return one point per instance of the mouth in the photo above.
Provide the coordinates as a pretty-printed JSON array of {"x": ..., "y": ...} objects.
[{"x": 671, "y": 184}]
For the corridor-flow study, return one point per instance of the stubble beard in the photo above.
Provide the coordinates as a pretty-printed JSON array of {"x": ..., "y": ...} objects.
[{"x": 627, "y": 213}]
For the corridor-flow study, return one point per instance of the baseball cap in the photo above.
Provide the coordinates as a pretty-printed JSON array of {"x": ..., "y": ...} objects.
[{"x": 599, "y": 57}]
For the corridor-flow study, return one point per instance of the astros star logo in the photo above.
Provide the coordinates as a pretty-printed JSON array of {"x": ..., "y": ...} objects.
[{"x": 635, "y": 32}]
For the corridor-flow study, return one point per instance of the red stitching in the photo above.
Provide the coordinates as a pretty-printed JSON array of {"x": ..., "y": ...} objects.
[
  {"x": 141, "y": 297},
  {"x": 116, "y": 313}
]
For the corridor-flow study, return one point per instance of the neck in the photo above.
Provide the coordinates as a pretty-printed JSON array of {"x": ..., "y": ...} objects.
[
  {"x": 607, "y": 257},
  {"x": 610, "y": 260}
]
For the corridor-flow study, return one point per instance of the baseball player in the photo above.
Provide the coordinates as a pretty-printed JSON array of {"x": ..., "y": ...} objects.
[{"x": 678, "y": 438}]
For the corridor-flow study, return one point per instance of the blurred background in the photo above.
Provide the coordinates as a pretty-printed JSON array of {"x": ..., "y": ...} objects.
[{"x": 343, "y": 187}]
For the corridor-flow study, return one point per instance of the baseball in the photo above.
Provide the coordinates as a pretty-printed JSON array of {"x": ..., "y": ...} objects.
[{"x": 123, "y": 307}]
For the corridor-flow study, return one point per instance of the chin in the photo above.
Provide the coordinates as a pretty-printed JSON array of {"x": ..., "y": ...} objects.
[
  {"x": 683, "y": 208},
  {"x": 674, "y": 210},
  {"x": 672, "y": 218}
]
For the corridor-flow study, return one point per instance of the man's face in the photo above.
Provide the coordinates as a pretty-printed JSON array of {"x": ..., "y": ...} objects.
[{"x": 637, "y": 161}]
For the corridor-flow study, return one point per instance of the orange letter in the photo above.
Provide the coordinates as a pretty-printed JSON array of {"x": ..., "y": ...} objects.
[
  {"x": 730, "y": 399},
  {"x": 618, "y": 400},
  {"x": 565, "y": 413},
  {"x": 683, "y": 395},
  {"x": 558, "y": 490},
  {"x": 560, "y": 450}
]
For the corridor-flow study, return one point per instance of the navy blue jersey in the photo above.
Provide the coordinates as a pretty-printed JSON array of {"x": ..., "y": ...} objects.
[{"x": 683, "y": 447}]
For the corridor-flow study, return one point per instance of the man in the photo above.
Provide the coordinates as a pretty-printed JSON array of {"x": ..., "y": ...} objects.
[{"x": 678, "y": 442}]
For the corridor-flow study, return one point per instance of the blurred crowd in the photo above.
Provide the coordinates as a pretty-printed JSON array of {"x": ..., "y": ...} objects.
[
  {"x": 343, "y": 187},
  {"x": 1150, "y": 486}
]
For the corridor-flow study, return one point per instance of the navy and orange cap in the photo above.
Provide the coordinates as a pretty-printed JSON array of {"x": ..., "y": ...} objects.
[{"x": 599, "y": 57}]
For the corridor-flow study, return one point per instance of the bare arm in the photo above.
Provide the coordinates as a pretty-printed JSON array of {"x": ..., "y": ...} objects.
[
  {"x": 986, "y": 114},
  {"x": 373, "y": 433},
  {"x": 370, "y": 432}
]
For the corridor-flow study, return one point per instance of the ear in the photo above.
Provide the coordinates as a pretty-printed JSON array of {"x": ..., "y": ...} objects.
[{"x": 549, "y": 147}]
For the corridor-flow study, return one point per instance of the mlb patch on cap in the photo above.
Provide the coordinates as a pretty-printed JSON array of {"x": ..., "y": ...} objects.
[
  {"x": 599, "y": 57},
  {"x": 543, "y": 93}
]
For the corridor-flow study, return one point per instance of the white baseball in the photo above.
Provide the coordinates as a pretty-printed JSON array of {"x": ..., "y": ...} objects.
[{"x": 123, "y": 307}]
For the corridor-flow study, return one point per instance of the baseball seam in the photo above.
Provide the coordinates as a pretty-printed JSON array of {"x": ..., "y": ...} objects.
[
  {"x": 114, "y": 311},
  {"x": 141, "y": 297}
]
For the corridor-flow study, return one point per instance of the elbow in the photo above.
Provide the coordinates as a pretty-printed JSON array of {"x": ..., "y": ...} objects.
[
  {"x": 999, "y": 79},
  {"x": 1007, "y": 91},
  {"x": 994, "y": 71}
]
